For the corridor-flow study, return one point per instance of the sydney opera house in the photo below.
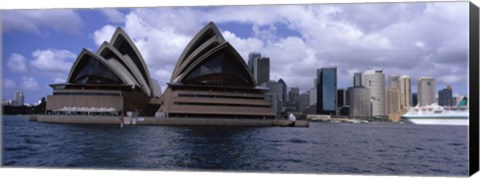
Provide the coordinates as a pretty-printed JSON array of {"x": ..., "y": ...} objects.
[
  {"x": 210, "y": 80},
  {"x": 110, "y": 81}
]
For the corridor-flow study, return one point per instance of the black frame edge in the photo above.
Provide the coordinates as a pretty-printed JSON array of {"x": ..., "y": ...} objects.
[{"x": 473, "y": 89}]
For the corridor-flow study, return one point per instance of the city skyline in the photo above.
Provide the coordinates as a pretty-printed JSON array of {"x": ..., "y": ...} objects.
[{"x": 298, "y": 39}]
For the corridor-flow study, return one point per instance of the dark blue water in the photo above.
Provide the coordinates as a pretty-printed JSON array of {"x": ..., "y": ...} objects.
[{"x": 378, "y": 148}]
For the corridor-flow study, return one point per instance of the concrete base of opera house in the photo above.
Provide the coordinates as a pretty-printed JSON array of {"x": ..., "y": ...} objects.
[{"x": 115, "y": 120}]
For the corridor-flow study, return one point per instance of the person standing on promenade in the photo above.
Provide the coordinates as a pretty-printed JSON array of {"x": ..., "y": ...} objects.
[{"x": 121, "y": 119}]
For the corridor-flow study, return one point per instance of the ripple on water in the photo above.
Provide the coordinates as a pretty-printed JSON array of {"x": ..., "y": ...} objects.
[{"x": 321, "y": 148}]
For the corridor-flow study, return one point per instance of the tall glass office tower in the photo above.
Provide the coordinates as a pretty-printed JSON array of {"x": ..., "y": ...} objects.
[{"x": 327, "y": 90}]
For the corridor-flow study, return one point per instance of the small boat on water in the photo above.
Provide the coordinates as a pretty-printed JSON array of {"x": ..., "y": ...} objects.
[{"x": 438, "y": 115}]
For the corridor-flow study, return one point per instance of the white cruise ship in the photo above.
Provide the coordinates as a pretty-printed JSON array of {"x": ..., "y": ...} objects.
[{"x": 438, "y": 115}]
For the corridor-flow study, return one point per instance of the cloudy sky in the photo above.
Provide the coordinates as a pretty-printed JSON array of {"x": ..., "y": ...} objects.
[{"x": 415, "y": 39}]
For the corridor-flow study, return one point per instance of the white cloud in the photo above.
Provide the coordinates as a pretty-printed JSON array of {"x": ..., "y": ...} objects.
[
  {"x": 419, "y": 44},
  {"x": 163, "y": 76},
  {"x": 36, "y": 21},
  {"x": 103, "y": 34},
  {"x": 8, "y": 83},
  {"x": 60, "y": 79},
  {"x": 113, "y": 15},
  {"x": 243, "y": 46},
  {"x": 53, "y": 60},
  {"x": 400, "y": 38},
  {"x": 29, "y": 83},
  {"x": 450, "y": 79},
  {"x": 159, "y": 46},
  {"x": 17, "y": 63}
]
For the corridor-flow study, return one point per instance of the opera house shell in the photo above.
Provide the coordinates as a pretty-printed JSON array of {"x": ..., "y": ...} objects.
[
  {"x": 112, "y": 81},
  {"x": 211, "y": 80}
]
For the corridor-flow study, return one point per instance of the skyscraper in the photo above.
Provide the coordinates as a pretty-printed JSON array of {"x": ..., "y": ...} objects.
[
  {"x": 341, "y": 97},
  {"x": 405, "y": 92},
  {"x": 393, "y": 100},
  {"x": 276, "y": 88},
  {"x": 394, "y": 81},
  {"x": 313, "y": 95},
  {"x": 284, "y": 91},
  {"x": 19, "y": 99},
  {"x": 304, "y": 101},
  {"x": 251, "y": 57},
  {"x": 342, "y": 102},
  {"x": 294, "y": 97},
  {"x": 327, "y": 91},
  {"x": 357, "y": 79},
  {"x": 393, "y": 94},
  {"x": 426, "y": 91},
  {"x": 360, "y": 104},
  {"x": 414, "y": 99},
  {"x": 445, "y": 97},
  {"x": 259, "y": 67},
  {"x": 375, "y": 81}
]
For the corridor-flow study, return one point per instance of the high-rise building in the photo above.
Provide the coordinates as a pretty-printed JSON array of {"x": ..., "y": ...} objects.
[
  {"x": 360, "y": 104},
  {"x": 313, "y": 93},
  {"x": 357, "y": 79},
  {"x": 284, "y": 91},
  {"x": 414, "y": 99},
  {"x": 276, "y": 88},
  {"x": 394, "y": 81},
  {"x": 327, "y": 90},
  {"x": 304, "y": 101},
  {"x": 405, "y": 92},
  {"x": 19, "y": 99},
  {"x": 445, "y": 97},
  {"x": 313, "y": 96},
  {"x": 294, "y": 97},
  {"x": 393, "y": 100},
  {"x": 347, "y": 97},
  {"x": 251, "y": 57},
  {"x": 393, "y": 94},
  {"x": 342, "y": 98},
  {"x": 375, "y": 81},
  {"x": 259, "y": 67},
  {"x": 426, "y": 90}
]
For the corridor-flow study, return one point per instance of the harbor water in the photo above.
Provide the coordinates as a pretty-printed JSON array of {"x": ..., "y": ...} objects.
[{"x": 323, "y": 148}]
